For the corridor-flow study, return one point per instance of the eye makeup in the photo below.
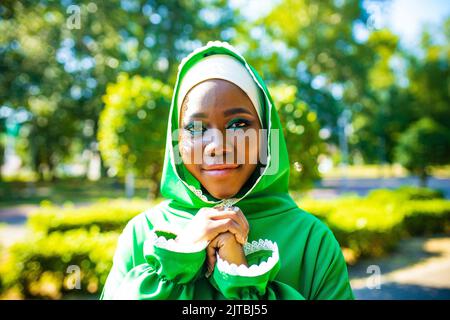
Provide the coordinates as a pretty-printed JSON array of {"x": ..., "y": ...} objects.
[
  {"x": 238, "y": 123},
  {"x": 195, "y": 128}
]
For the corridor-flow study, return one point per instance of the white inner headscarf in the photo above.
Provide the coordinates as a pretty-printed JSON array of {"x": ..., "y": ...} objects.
[{"x": 225, "y": 67}]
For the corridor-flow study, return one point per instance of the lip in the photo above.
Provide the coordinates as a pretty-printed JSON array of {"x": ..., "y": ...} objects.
[
  {"x": 221, "y": 167},
  {"x": 221, "y": 170}
]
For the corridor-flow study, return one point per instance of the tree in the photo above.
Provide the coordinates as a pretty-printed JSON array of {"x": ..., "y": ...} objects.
[
  {"x": 424, "y": 144},
  {"x": 403, "y": 87},
  {"x": 301, "y": 129},
  {"x": 132, "y": 127},
  {"x": 59, "y": 70},
  {"x": 311, "y": 45},
  {"x": 429, "y": 76}
]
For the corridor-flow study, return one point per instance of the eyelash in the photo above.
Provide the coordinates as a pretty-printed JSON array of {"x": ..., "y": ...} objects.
[
  {"x": 190, "y": 127},
  {"x": 239, "y": 121},
  {"x": 246, "y": 123}
]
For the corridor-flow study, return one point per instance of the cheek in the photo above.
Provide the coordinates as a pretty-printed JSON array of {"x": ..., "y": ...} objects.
[
  {"x": 253, "y": 151},
  {"x": 247, "y": 147},
  {"x": 190, "y": 149}
]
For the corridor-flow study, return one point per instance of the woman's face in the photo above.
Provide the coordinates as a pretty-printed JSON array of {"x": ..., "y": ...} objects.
[{"x": 219, "y": 136}]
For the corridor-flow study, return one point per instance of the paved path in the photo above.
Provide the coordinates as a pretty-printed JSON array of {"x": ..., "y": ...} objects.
[
  {"x": 16, "y": 215},
  {"x": 331, "y": 188},
  {"x": 418, "y": 269},
  {"x": 11, "y": 233}
]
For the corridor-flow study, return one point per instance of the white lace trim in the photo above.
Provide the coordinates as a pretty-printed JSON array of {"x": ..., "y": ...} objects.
[
  {"x": 172, "y": 245},
  {"x": 254, "y": 270}
]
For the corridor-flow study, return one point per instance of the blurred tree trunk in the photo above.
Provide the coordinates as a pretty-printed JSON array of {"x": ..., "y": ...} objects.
[{"x": 423, "y": 178}]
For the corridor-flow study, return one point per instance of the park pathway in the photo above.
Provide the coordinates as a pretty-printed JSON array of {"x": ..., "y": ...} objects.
[{"x": 418, "y": 269}]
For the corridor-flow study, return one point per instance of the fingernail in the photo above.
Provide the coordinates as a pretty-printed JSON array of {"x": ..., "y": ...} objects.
[{"x": 208, "y": 274}]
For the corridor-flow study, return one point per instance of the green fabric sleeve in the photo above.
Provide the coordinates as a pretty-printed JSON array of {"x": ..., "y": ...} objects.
[
  {"x": 178, "y": 267},
  {"x": 255, "y": 282},
  {"x": 331, "y": 280},
  {"x": 162, "y": 274}
]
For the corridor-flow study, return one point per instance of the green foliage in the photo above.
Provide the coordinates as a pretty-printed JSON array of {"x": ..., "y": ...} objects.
[
  {"x": 429, "y": 77},
  {"x": 405, "y": 193},
  {"x": 131, "y": 134},
  {"x": 425, "y": 143},
  {"x": 367, "y": 227},
  {"x": 403, "y": 87},
  {"x": 301, "y": 130},
  {"x": 59, "y": 74},
  {"x": 41, "y": 267},
  {"x": 310, "y": 45},
  {"x": 59, "y": 71},
  {"x": 384, "y": 44},
  {"x": 386, "y": 108},
  {"x": 427, "y": 217},
  {"x": 371, "y": 226}
]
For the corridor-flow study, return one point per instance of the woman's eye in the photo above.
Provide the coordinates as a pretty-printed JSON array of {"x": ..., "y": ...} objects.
[
  {"x": 239, "y": 124},
  {"x": 195, "y": 129}
]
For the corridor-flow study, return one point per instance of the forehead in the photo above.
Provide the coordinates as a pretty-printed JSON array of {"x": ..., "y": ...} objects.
[{"x": 215, "y": 95}]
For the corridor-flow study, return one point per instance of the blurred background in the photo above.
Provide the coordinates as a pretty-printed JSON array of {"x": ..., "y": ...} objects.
[{"x": 362, "y": 88}]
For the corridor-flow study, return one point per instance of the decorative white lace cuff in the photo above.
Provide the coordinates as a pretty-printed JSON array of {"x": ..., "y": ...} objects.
[
  {"x": 172, "y": 245},
  {"x": 253, "y": 270}
]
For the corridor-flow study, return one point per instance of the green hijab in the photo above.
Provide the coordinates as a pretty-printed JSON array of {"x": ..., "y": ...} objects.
[
  {"x": 266, "y": 193},
  {"x": 290, "y": 253}
]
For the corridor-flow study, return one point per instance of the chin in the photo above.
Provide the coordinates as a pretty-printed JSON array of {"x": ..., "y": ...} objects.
[{"x": 222, "y": 194}]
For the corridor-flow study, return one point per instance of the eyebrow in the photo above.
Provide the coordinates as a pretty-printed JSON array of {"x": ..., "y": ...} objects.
[
  {"x": 236, "y": 110},
  {"x": 225, "y": 113},
  {"x": 198, "y": 115}
]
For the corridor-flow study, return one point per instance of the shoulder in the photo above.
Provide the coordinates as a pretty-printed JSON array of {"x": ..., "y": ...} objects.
[
  {"x": 146, "y": 220},
  {"x": 320, "y": 235},
  {"x": 152, "y": 220},
  {"x": 310, "y": 221},
  {"x": 131, "y": 240}
]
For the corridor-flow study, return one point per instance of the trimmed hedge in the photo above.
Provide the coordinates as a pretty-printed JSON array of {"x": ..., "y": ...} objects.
[
  {"x": 367, "y": 228},
  {"x": 371, "y": 226},
  {"x": 40, "y": 267},
  {"x": 405, "y": 193},
  {"x": 426, "y": 217}
]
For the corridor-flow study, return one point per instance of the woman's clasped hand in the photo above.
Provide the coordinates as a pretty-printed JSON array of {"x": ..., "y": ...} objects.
[{"x": 225, "y": 230}]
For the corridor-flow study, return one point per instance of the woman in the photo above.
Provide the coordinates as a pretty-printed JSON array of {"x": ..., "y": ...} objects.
[{"x": 229, "y": 228}]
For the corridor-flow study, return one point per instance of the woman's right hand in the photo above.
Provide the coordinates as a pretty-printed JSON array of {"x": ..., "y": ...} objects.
[{"x": 208, "y": 223}]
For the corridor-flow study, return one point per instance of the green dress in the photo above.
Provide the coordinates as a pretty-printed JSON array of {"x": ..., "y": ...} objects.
[{"x": 290, "y": 253}]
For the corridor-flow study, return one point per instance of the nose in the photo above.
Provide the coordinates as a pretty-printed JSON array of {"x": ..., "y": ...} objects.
[{"x": 217, "y": 146}]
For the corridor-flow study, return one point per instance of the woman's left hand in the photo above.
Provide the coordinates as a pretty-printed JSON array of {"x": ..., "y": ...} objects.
[{"x": 228, "y": 248}]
